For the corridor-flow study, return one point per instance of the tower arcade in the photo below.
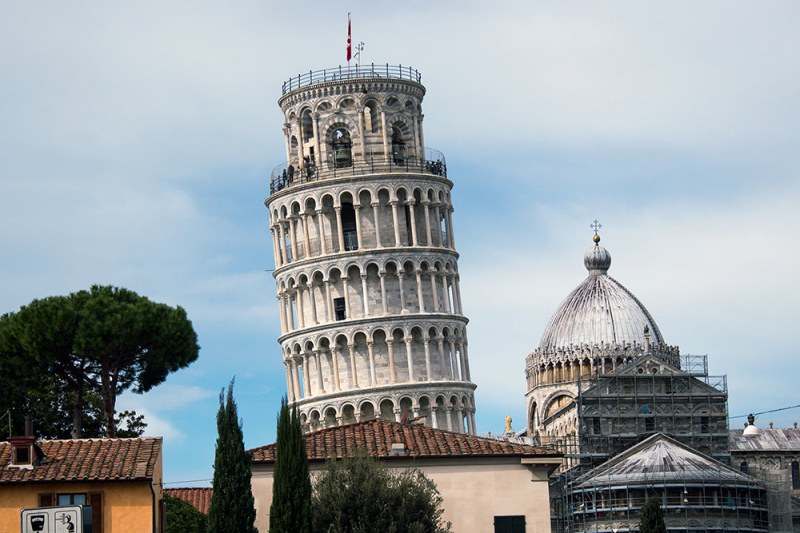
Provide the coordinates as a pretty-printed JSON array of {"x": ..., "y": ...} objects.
[{"x": 365, "y": 260}]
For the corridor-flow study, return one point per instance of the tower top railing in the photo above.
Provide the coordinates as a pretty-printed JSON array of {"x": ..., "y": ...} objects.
[
  {"x": 286, "y": 175},
  {"x": 352, "y": 72}
]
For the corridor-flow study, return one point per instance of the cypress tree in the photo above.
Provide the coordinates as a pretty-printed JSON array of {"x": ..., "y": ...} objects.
[
  {"x": 291, "y": 490},
  {"x": 232, "y": 505}
]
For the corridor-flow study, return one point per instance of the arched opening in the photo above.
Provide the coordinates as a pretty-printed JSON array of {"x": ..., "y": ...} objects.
[
  {"x": 398, "y": 147},
  {"x": 307, "y": 126},
  {"x": 367, "y": 411},
  {"x": 342, "y": 147},
  {"x": 387, "y": 410},
  {"x": 349, "y": 227},
  {"x": 795, "y": 475}
]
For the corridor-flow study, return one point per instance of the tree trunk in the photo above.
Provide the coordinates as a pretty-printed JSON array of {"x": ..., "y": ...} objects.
[
  {"x": 77, "y": 413},
  {"x": 109, "y": 403}
]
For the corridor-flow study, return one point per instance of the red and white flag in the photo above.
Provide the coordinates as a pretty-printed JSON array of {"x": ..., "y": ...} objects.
[{"x": 349, "y": 41}]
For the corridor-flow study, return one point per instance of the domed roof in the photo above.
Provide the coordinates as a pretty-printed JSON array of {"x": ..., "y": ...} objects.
[{"x": 599, "y": 311}]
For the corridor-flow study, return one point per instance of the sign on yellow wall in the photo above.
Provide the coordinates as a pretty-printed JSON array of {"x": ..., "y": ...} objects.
[{"x": 65, "y": 519}]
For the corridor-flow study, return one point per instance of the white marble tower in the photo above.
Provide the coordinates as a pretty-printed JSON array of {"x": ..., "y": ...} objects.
[{"x": 365, "y": 259}]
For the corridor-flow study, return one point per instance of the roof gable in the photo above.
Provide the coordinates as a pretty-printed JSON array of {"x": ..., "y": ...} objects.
[
  {"x": 377, "y": 436},
  {"x": 87, "y": 460},
  {"x": 659, "y": 457}
]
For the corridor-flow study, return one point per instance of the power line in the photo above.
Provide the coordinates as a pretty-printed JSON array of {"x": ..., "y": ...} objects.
[
  {"x": 184, "y": 481},
  {"x": 766, "y": 412}
]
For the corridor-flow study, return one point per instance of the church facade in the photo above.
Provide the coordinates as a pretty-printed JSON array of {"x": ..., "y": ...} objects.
[{"x": 607, "y": 390}]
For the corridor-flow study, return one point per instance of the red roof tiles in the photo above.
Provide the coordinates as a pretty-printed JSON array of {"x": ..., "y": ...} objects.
[
  {"x": 377, "y": 436},
  {"x": 86, "y": 460},
  {"x": 197, "y": 497}
]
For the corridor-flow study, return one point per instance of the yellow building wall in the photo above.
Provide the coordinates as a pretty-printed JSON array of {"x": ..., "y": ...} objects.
[
  {"x": 127, "y": 506},
  {"x": 474, "y": 491}
]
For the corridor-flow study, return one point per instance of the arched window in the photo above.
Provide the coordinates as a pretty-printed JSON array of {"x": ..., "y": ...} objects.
[
  {"x": 342, "y": 148},
  {"x": 744, "y": 467},
  {"x": 398, "y": 147},
  {"x": 308, "y": 126},
  {"x": 349, "y": 227}
]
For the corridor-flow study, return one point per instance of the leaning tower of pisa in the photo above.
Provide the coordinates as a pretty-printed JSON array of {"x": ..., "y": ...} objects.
[{"x": 366, "y": 266}]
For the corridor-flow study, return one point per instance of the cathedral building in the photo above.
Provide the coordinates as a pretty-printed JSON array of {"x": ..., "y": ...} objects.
[
  {"x": 366, "y": 267},
  {"x": 634, "y": 418}
]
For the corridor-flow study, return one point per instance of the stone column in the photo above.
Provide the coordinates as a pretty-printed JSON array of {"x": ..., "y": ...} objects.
[
  {"x": 339, "y": 229},
  {"x": 362, "y": 130},
  {"x": 296, "y": 377},
  {"x": 392, "y": 369},
  {"x": 321, "y": 218},
  {"x": 306, "y": 377},
  {"x": 276, "y": 247},
  {"x": 282, "y": 313},
  {"x": 434, "y": 417},
  {"x": 434, "y": 290},
  {"x": 301, "y": 319},
  {"x": 376, "y": 217},
  {"x": 318, "y": 359},
  {"x": 393, "y": 203},
  {"x": 400, "y": 275},
  {"x": 450, "y": 233},
  {"x": 386, "y": 153},
  {"x": 421, "y": 135},
  {"x": 426, "y": 343},
  {"x": 457, "y": 292},
  {"x": 306, "y": 240},
  {"x": 312, "y": 302},
  {"x": 415, "y": 130},
  {"x": 290, "y": 310},
  {"x": 329, "y": 316},
  {"x": 419, "y": 291},
  {"x": 299, "y": 142},
  {"x": 382, "y": 275},
  {"x": 438, "y": 217},
  {"x": 287, "y": 136},
  {"x": 317, "y": 151},
  {"x": 440, "y": 344},
  {"x": 282, "y": 235},
  {"x": 365, "y": 294},
  {"x": 371, "y": 353},
  {"x": 460, "y": 347},
  {"x": 353, "y": 366},
  {"x": 289, "y": 382},
  {"x": 337, "y": 386},
  {"x": 446, "y": 286},
  {"x": 411, "y": 204},
  {"x": 293, "y": 238},
  {"x": 426, "y": 209},
  {"x": 453, "y": 362},
  {"x": 359, "y": 242},
  {"x": 348, "y": 312},
  {"x": 449, "y": 411},
  {"x": 473, "y": 430},
  {"x": 410, "y": 358}
]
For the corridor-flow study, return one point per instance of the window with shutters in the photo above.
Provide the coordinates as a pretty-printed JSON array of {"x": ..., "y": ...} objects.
[{"x": 509, "y": 524}]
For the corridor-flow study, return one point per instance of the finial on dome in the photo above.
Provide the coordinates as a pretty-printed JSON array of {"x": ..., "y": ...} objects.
[
  {"x": 597, "y": 259},
  {"x": 596, "y": 226}
]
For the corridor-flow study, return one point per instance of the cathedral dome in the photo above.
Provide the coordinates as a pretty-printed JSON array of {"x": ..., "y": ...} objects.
[{"x": 599, "y": 311}]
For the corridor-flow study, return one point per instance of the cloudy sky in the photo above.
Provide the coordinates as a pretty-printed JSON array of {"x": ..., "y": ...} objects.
[{"x": 136, "y": 140}]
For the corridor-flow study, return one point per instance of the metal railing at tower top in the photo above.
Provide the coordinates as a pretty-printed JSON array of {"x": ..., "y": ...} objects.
[
  {"x": 287, "y": 175},
  {"x": 387, "y": 71}
]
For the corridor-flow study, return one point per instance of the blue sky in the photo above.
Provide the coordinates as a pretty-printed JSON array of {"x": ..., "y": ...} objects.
[{"x": 136, "y": 141}]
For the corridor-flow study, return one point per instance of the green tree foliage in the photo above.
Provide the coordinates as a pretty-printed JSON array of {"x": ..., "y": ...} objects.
[
  {"x": 102, "y": 341},
  {"x": 181, "y": 517},
  {"x": 360, "y": 495},
  {"x": 652, "y": 517},
  {"x": 291, "y": 490},
  {"x": 232, "y": 504}
]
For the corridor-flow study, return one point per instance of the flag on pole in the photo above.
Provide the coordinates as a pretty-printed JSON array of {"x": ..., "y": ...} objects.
[{"x": 349, "y": 41}]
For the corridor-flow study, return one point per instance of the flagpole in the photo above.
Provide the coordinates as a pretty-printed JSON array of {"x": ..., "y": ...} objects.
[{"x": 349, "y": 43}]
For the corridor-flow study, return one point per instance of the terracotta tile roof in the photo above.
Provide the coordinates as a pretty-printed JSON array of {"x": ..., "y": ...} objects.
[
  {"x": 197, "y": 497},
  {"x": 377, "y": 436},
  {"x": 87, "y": 460}
]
